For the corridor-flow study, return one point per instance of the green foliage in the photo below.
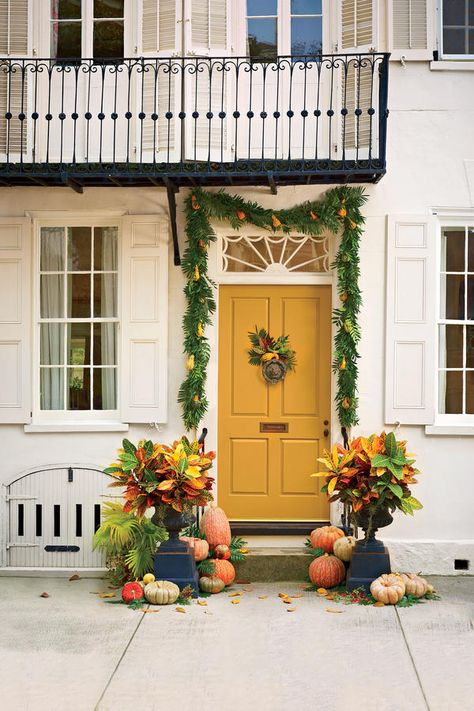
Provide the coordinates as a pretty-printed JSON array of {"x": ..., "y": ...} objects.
[
  {"x": 128, "y": 542},
  {"x": 193, "y": 531},
  {"x": 236, "y": 544},
  {"x": 337, "y": 211},
  {"x": 205, "y": 567},
  {"x": 315, "y": 552}
]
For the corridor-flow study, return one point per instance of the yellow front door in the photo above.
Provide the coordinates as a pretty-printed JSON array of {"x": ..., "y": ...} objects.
[{"x": 271, "y": 435}]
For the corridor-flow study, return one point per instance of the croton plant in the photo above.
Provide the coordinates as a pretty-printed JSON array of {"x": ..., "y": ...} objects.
[
  {"x": 158, "y": 474},
  {"x": 373, "y": 472}
]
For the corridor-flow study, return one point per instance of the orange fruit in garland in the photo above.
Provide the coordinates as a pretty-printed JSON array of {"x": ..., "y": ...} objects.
[{"x": 131, "y": 592}]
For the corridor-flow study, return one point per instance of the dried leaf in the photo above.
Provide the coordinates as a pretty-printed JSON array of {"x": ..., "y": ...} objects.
[
  {"x": 282, "y": 595},
  {"x": 379, "y": 604},
  {"x": 295, "y": 597},
  {"x": 159, "y": 610},
  {"x": 234, "y": 594},
  {"x": 329, "y": 597},
  {"x": 262, "y": 597},
  {"x": 74, "y": 577},
  {"x": 236, "y": 601},
  {"x": 286, "y": 600},
  {"x": 106, "y": 595},
  {"x": 248, "y": 589},
  {"x": 291, "y": 609},
  {"x": 322, "y": 591},
  {"x": 181, "y": 609},
  {"x": 243, "y": 582},
  {"x": 203, "y": 603},
  {"x": 331, "y": 609},
  {"x": 44, "y": 594}
]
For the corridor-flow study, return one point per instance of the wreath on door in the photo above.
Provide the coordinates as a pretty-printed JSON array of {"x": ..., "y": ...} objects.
[{"x": 274, "y": 355}]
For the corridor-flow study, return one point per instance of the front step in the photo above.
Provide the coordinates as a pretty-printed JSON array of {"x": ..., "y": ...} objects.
[{"x": 272, "y": 564}]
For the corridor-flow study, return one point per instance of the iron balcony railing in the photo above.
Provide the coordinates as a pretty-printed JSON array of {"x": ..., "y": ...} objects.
[{"x": 213, "y": 120}]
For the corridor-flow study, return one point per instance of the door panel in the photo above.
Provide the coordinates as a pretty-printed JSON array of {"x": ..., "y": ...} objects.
[{"x": 266, "y": 475}]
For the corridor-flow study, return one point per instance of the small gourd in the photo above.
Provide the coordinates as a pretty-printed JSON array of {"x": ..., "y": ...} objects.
[
  {"x": 198, "y": 546},
  {"x": 343, "y": 547},
  {"x": 414, "y": 584},
  {"x": 161, "y": 592},
  {"x": 131, "y": 592},
  {"x": 325, "y": 536},
  {"x": 211, "y": 584},
  {"x": 222, "y": 551},
  {"x": 148, "y": 578},
  {"x": 388, "y": 588}
]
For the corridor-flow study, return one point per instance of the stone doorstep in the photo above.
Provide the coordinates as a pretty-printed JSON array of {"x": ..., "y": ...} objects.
[{"x": 272, "y": 564}]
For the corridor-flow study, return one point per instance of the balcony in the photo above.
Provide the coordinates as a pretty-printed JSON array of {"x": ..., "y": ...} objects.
[{"x": 183, "y": 121}]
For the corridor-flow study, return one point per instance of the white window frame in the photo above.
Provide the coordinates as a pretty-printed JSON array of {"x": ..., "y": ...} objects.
[
  {"x": 464, "y": 219},
  {"x": 458, "y": 57},
  {"x": 71, "y": 418}
]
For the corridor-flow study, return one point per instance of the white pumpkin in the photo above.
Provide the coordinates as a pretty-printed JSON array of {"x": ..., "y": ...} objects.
[
  {"x": 343, "y": 547},
  {"x": 161, "y": 592}
]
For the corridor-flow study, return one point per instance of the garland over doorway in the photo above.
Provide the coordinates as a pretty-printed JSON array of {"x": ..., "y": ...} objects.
[{"x": 338, "y": 211}]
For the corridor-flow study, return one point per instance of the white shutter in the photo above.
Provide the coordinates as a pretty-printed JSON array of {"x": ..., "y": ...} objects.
[
  {"x": 358, "y": 25},
  {"x": 144, "y": 323},
  {"x": 13, "y": 90},
  {"x": 208, "y": 31},
  {"x": 410, "y": 330},
  {"x": 410, "y": 29},
  {"x": 15, "y": 320},
  {"x": 158, "y": 87}
]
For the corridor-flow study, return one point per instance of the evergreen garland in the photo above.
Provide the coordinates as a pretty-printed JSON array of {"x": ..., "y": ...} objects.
[{"x": 337, "y": 211}]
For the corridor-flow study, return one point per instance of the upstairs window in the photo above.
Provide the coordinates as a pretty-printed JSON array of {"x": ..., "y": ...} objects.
[
  {"x": 87, "y": 28},
  {"x": 458, "y": 29},
  {"x": 297, "y": 29}
]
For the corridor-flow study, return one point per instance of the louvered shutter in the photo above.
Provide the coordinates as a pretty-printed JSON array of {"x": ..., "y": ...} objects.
[
  {"x": 410, "y": 29},
  {"x": 410, "y": 323},
  {"x": 13, "y": 78},
  {"x": 358, "y": 35},
  {"x": 158, "y": 85},
  {"x": 144, "y": 325},
  {"x": 207, "y": 35},
  {"x": 15, "y": 319}
]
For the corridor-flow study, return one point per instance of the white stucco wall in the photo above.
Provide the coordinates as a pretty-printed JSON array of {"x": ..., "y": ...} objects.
[{"x": 431, "y": 135}]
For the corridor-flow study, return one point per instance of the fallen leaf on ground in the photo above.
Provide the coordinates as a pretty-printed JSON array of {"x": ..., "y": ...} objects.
[
  {"x": 322, "y": 591},
  {"x": 202, "y": 602},
  {"x": 106, "y": 595},
  {"x": 74, "y": 577},
  {"x": 282, "y": 595},
  {"x": 262, "y": 597},
  {"x": 151, "y": 610},
  {"x": 295, "y": 597},
  {"x": 235, "y": 601},
  {"x": 329, "y": 597},
  {"x": 44, "y": 594},
  {"x": 331, "y": 609},
  {"x": 244, "y": 551},
  {"x": 181, "y": 609},
  {"x": 286, "y": 600},
  {"x": 249, "y": 589},
  {"x": 291, "y": 609},
  {"x": 379, "y": 604},
  {"x": 243, "y": 582},
  {"x": 234, "y": 594}
]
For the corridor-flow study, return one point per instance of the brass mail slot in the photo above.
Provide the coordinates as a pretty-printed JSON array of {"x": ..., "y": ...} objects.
[{"x": 274, "y": 427}]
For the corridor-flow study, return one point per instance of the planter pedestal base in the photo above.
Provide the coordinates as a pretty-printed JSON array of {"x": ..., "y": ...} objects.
[
  {"x": 369, "y": 560},
  {"x": 174, "y": 561}
]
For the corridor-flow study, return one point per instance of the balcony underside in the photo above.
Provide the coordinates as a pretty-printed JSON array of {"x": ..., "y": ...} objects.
[{"x": 272, "y": 173}]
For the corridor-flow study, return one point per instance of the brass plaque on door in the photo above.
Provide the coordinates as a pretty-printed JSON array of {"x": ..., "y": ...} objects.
[{"x": 274, "y": 427}]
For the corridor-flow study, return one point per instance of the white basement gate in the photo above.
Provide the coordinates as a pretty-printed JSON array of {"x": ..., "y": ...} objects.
[{"x": 53, "y": 514}]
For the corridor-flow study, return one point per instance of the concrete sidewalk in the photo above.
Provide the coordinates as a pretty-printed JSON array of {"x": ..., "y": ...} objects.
[{"x": 74, "y": 652}]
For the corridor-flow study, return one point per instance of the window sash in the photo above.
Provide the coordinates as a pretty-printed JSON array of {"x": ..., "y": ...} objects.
[{"x": 466, "y": 27}]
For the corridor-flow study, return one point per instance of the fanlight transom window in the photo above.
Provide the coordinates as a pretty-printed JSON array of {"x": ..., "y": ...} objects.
[{"x": 275, "y": 253}]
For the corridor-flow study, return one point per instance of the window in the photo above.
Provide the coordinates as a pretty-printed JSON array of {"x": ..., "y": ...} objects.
[
  {"x": 456, "y": 322},
  {"x": 458, "y": 28},
  {"x": 78, "y": 319},
  {"x": 72, "y": 32},
  {"x": 259, "y": 253},
  {"x": 297, "y": 31}
]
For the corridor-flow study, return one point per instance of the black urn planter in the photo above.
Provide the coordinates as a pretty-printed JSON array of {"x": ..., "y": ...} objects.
[
  {"x": 370, "y": 558},
  {"x": 174, "y": 560}
]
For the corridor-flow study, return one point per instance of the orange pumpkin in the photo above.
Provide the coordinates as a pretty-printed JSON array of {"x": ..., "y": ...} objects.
[
  {"x": 198, "y": 546},
  {"x": 327, "y": 571},
  {"x": 224, "y": 570},
  {"x": 325, "y": 536},
  {"x": 215, "y": 526},
  {"x": 222, "y": 551},
  {"x": 131, "y": 592}
]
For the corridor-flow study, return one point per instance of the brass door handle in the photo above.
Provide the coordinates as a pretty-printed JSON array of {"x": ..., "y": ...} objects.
[{"x": 326, "y": 433}]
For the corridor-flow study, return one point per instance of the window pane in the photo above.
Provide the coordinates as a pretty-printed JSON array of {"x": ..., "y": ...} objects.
[
  {"x": 105, "y": 389},
  {"x": 470, "y": 392},
  {"x": 79, "y": 389},
  {"x": 105, "y": 249},
  {"x": 452, "y": 250},
  {"x": 306, "y": 7},
  {"x": 108, "y": 8},
  {"x": 470, "y": 298},
  {"x": 451, "y": 346},
  {"x": 262, "y": 38},
  {"x": 52, "y": 249},
  {"x": 452, "y": 296},
  {"x": 52, "y": 296},
  {"x": 52, "y": 344},
  {"x": 105, "y": 295},
  {"x": 66, "y": 39},
  {"x": 79, "y": 343},
  {"x": 105, "y": 343},
  {"x": 65, "y": 9},
  {"x": 469, "y": 346},
  {"x": 306, "y": 35},
  {"x": 52, "y": 389},
  {"x": 262, "y": 7},
  {"x": 451, "y": 392},
  {"x": 471, "y": 41},
  {"x": 471, "y": 12},
  {"x": 79, "y": 295},
  {"x": 454, "y": 41},
  {"x": 470, "y": 250},
  {"x": 454, "y": 12},
  {"x": 108, "y": 39},
  {"x": 79, "y": 249}
]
